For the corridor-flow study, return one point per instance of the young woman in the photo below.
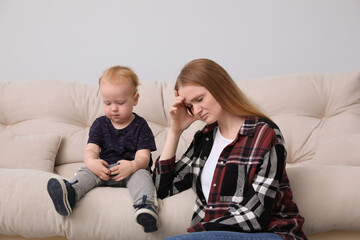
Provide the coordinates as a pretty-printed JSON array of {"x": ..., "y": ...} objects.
[{"x": 235, "y": 164}]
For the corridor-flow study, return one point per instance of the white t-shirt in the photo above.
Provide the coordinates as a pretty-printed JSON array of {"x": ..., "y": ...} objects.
[{"x": 208, "y": 171}]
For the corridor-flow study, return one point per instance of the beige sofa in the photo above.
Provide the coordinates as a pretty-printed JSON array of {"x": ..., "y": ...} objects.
[{"x": 44, "y": 127}]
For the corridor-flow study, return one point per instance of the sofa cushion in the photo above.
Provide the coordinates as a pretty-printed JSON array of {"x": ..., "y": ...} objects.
[
  {"x": 25, "y": 206},
  {"x": 327, "y": 196},
  {"x": 346, "y": 154},
  {"x": 31, "y": 152},
  {"x": 311, "y": 109}
]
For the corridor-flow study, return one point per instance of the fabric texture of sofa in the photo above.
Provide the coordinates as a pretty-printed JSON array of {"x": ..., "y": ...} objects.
[{"x": 44, "y": 128}]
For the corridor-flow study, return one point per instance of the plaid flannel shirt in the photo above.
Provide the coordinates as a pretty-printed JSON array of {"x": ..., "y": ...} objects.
[{"x": 250, "y": 190}]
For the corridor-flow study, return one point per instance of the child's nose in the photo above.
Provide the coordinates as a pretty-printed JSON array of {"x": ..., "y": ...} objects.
[{"x": 114, "y": 107}]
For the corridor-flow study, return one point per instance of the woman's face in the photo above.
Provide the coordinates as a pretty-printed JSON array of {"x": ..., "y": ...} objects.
[{"x": 201, "y": 103}]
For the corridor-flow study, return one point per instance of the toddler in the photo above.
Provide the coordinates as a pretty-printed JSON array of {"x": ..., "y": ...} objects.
[{"x": 117, "y": 153}]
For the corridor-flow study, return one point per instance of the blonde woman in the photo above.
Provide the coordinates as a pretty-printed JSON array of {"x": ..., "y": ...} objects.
[{"x": 235, "y": 164}]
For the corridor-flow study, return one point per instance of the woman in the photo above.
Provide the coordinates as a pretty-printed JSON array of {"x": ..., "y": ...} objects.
[{"x": 235, "y": 164}]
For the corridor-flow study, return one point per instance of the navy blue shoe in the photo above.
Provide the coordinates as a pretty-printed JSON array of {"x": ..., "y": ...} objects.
[
  {"x": 62, "y": 194},
  {"x": 146, "y": 216}
]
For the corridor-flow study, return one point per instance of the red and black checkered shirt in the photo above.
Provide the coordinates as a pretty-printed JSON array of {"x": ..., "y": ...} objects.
[{"x": 250, "y": 190}]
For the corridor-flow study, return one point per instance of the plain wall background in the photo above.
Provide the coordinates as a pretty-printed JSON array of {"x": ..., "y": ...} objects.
[{"x": 78, "y": 39}]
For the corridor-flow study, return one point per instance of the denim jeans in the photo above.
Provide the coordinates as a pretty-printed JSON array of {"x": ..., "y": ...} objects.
[{"x": 225, "y": 235}]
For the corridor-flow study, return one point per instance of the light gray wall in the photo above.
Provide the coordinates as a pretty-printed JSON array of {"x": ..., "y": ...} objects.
[{"x": 78, "y": 39}]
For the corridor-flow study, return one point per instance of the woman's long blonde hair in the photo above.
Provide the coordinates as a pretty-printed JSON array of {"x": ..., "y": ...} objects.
[{"x": 216, "y": 80}]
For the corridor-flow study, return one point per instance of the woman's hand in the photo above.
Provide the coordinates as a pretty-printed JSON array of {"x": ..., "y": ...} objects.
[
  {"x": 180, "y": 120},
  {"x": 180, "y": 116}
]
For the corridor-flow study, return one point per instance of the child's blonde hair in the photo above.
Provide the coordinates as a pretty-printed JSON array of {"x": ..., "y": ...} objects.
[{"x": 118, "y": 75}]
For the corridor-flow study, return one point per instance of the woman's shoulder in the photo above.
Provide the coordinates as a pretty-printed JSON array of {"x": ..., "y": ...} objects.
[
  {"x": 268, "y": 122},
  {"x": 254, "y": 124},
  {"x": 271, "y": 127}
]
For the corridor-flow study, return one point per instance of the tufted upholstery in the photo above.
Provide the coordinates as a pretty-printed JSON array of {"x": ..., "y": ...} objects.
[
  {"x": 314, "y": 112},
  {"x": 318, "y": 114}
]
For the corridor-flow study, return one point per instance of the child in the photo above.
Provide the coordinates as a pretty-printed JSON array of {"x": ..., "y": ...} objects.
[{"x": 117, "y": 153}]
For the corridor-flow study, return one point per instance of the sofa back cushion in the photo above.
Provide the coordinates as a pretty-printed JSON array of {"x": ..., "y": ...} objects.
[
  {"x": 318, "y": 115},
  {"x": 315, "y": 112},
  {"x": 62, "y": 108}
]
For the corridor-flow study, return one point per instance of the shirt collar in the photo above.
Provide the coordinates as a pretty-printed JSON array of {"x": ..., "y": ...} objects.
[{"x": 249, "y": 125}]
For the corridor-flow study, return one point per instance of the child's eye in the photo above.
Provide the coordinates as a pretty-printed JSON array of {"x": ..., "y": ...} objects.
[
  {"x": 120, "y": 103},
  {"x": 199, "y": 99}
]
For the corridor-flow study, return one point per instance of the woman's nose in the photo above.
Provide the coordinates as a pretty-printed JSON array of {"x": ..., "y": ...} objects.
[{"x": 197, "y": 109}]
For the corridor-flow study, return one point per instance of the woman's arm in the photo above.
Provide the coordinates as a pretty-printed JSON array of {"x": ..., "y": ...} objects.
[
  {"x": 171, "y": 143},
  {"x": 167, "y": 179},
  {"x": 180, "y": 120}
]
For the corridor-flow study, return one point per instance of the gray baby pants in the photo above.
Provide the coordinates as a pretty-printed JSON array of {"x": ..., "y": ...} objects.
[{"x": 139, "y": 183}]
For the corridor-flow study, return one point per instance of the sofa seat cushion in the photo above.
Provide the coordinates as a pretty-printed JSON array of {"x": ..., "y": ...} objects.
[
  {"x": 103, "y": 213},
  {"x": 25, "y": 207},
  {"x": 327, "y": 196}
]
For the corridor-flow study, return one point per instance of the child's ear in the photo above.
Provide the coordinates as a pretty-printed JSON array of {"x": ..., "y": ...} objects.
[{"x": 136, "y": 98}]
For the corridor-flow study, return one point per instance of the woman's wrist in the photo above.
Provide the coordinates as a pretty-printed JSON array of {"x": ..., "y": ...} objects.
[
  {"x": 172, "y": 133},
  {"x": 172, "y": 140}
]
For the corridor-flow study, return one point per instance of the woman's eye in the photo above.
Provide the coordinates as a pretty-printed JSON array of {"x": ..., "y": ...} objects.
[
  {"x": 188, "y": 109},
  {"x": 199, "y": 99}
]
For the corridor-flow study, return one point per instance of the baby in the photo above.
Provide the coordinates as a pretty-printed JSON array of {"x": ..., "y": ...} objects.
[{"x": 117, "y": 153}]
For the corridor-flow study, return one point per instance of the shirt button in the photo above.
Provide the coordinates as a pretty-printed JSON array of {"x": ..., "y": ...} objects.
[
  {"x": 205, "y": 158},
  {"x": 207, "y": 139},
  {"x": 206, "y": 129},
  {"x": 214, "y": 185}
]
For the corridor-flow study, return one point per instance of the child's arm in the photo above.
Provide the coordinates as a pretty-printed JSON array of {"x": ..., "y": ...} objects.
[
  {"x": 125, "y": 167},
  {"x": 97, "y": 166}
]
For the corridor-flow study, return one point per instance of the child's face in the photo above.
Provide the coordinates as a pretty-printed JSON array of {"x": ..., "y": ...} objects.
[{"x": 118, "y": 102}]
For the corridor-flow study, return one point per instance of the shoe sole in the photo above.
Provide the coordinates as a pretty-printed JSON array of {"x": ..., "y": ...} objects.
[
  {"x": 58, "y": 193},
  {"x": 147, "y": 219}
]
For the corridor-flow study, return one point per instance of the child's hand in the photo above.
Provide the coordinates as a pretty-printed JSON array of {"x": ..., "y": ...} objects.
[
  {"x": 100, "y": 168},
  {"x": 123, "y": 170}
]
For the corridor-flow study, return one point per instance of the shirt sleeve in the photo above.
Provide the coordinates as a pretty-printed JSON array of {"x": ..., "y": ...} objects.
[
  {"x": 95, "y": 133},
  {"x": 252, "y": 213},
  {"x": 171, "y": 178},
  {"x": 146, "y": 138}
]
